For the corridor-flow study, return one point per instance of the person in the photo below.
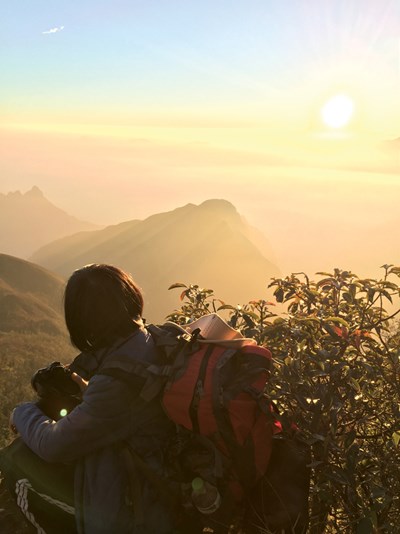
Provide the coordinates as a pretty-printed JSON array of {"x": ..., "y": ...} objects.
[{"x": 103, "y": 312}]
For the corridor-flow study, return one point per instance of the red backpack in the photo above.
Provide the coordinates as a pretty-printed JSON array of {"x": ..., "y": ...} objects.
[
  {"x": 217, "y": 392},
  {"x": 214, "y": 390}
]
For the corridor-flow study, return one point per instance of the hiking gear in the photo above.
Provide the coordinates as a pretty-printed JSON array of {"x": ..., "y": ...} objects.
[
  {"x": 58, "y": 393},
  {"x": 213, "y": 390},
  {"x": 205, "y": 496}
]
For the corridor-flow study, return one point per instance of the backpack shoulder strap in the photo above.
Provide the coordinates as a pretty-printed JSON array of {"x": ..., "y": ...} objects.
[
  {"x": 169, "y": 335},
  {"x": 173, "y": 342}
]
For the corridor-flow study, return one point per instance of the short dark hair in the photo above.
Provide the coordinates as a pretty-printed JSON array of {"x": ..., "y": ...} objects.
[{"x": 102, "y": 303}]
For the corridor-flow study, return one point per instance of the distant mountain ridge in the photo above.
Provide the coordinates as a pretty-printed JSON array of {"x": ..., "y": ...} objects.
[
  {"x": 209, "y": 244},
  {"x": 30, "y": 298},
  {"x": 28, "y": 221}
]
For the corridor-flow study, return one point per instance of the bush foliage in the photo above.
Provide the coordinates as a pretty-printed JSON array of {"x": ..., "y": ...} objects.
[{"x": 336, "y": 374}]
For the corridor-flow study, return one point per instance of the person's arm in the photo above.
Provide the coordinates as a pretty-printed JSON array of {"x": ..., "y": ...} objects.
[{"x": 101, "y": 419}]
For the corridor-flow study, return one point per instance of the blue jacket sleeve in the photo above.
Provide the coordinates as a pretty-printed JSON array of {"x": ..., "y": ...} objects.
[{"x": 104, "y": 417}]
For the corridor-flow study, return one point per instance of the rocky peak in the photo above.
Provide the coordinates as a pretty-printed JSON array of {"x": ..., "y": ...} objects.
[{"x": 35, "y": 192}]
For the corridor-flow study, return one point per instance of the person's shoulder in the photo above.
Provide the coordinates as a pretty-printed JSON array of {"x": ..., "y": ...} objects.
[{"x": 139, "y": 345}]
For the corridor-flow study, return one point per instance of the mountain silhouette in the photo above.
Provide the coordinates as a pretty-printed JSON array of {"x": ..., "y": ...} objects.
[
  {"x": 29, "y": 221},
  {"x": 209, "y": 244}
]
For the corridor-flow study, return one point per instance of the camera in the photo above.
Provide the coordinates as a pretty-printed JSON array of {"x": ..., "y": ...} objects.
[{"x": 58, "y": 393}]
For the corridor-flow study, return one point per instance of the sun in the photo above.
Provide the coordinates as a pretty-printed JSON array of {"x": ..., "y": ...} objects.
[{"x": 337, "y": 111}]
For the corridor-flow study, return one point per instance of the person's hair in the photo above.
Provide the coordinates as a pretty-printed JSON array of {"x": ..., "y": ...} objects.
[{"x": 102, "y": 303}]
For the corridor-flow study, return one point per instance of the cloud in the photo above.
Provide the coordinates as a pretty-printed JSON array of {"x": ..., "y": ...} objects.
[{"x": 54, "y": 30}]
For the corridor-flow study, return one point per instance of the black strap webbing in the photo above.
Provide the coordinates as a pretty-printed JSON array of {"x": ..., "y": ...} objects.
[{"x": 169, "y": 497}]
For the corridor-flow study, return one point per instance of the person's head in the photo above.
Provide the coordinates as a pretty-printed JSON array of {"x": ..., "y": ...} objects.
[{"x": 102, "y": 303}]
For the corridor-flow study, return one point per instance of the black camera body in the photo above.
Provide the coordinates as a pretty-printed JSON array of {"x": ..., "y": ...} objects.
[{"x": 58, "y": 393}]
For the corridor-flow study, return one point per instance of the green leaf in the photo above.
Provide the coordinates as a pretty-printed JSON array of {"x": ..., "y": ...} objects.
[
  {"x": 355, "y": 385},
  {"x": 390, "y": 285},
  {"x": 279, "y": 295},
  {"x": 252, "y": 315},
  {"x": 178, "y": 284},
  {"x": 396, "y": 438},
  {"x": 387, "y": 295},
  {"x": 349, "y": 439},
  {"x": 248, "y": 320},
  {"x": 348, "y": 297},
  {"x": 338, "y": 320},
  {"x": 226, "y": 307},
  {"x": 308, "y": 320},
  {"x": 326, "y": 282},
  {"x": 353, "y": 289}
]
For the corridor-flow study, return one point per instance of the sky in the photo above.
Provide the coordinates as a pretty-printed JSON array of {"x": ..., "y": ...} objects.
[{"x": 290, "y": 109}]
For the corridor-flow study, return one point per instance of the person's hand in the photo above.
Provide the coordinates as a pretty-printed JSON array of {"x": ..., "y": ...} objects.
[
  {"x": 83, "y": 384},
  {"x": 13, "y": 428}
]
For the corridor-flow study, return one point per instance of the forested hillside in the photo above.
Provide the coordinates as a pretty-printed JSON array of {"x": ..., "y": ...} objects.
[{"x": 32, "y": 330}]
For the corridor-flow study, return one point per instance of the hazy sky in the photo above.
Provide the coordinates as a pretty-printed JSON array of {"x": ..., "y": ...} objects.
[
  {"x": 181, "y": 61},
  {"x": 119, "y": 109}
]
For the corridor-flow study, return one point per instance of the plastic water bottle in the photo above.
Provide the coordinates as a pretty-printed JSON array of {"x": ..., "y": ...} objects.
[{"x": 205, "y": 496}]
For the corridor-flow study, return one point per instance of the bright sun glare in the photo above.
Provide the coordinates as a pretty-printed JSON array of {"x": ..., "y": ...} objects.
[{"x": 337, "y": 111}]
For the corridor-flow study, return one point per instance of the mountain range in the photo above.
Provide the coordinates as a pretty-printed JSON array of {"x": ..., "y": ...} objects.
[
  {"x": 29, "y": 221},
  {"x": 208, "y": 244}
]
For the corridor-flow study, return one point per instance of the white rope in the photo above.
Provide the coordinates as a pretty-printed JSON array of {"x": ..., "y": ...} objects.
[{"x": 21, "y": 489}]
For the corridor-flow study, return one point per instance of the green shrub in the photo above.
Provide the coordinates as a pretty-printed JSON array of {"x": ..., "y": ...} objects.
[{"x": 336, "y": 374}]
